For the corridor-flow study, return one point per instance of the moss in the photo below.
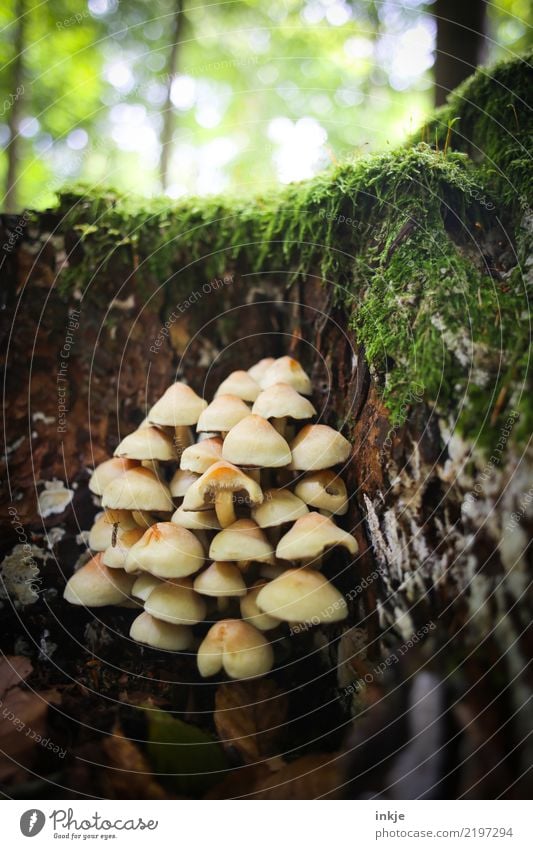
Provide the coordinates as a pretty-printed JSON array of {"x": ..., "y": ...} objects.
[{"x": 404, "y": 239}]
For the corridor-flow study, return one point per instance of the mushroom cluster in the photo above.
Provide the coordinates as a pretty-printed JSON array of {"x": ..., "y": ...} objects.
[{"x": 225, "y": 528}]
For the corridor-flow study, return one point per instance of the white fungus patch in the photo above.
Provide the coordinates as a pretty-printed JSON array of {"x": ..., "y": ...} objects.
[{"x": 54, "y": 498}]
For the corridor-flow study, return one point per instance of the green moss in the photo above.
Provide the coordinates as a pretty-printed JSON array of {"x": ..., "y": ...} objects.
[{"x": 401, "y": 237}]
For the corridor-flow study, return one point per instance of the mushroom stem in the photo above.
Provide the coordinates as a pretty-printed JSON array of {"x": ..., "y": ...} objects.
[
  {"x": 243, "y": 565},
  {"x": 280, "y": 425},
  {"x": 222, "y": 604},
  {"x": 181, "y": 439},
  {"x": 224, "y": 507},
  {"x": 254, "y": 474},
  {"x": 313, "y": 562},
  {"x": 153, "y": 465}
]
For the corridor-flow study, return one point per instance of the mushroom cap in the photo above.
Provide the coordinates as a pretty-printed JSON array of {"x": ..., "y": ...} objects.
[
  {"x": 182, "y": 479},
  {"x": 310, "y": 536},
  {"x": 176, "y": 603},
  {"x": 220, "y": 580},
  {"x": 324, "y": 490},
  {"x": 161, "y": 635},
  {"x": 258, "y": 369},
  {"x": 220, "y": 477},
  {"x": 115, "y": 555},
  {"x": 287, "y": 370},
  {"x": 179, "y": 405},
  {"x": 167, "y": 551},
  {"x": 197, "y": 458},
  {"x": 107, "y": 471},
  {"x": 254, "y": 442},
  {"x": 147, "y": 443},
  {"x": 109, "y": 525},
  {"x": 238, "y": 648},
  {"x": 239, "y": 383},
  {"x": 222, "y": 414},
  {"x": 95, "y": 585},
  {"x": 144, "y": 584},
  {"x": 318, "y": 447},
  {"x": 243, "y": 540},
  {"x": 302, "y": 595},
  {"x": 196, "y": 520},
  {"x": 282, "y": 401},
  {"x": 279, "y": 506},
  {"x": 251, "y": 613},
  {"x": 138, "y": 489}
]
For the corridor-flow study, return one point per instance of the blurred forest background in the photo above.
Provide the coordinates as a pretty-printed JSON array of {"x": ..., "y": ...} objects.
[{"x": 180, "y": 96}]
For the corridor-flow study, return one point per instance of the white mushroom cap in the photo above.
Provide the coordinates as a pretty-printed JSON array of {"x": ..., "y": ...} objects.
[
  {"x": 180, "y": 405},
  {"x": 147, "y": 443},
  {"x": 239, "y": 383},
  {"x": 254, "y": 442},
  {"x": 257, "y": 371},
  {"x": 282, "y": 401},
  {"x": 167, "y": 551},
  {"x": 310, "y": 536},
  {"x": 318, "y": 447},
  {"x": 222, "y": 414},
  {"x": 196, "y": 520},
  {"x": 238, "y": 648},
  {"x": 287, "y": 370},
  {"x": 251, "y": 613},
  {"x": 220, "y": 477},
  {"x": 144, "y": 584},
  {"x": 176, "y": 603},
  {"x": 109, "y": 526},
  {"x": 324, "y": 490},
  {"x": 197, "y": 458},
  {"x": 107, "y": 471},
  {"x": 279, "y": 506},
  {"x": 181, "y": 481},
  {"x": 95, "y": 585},
  {"x": 220, "y": 580},
  {"x": 115, "y": 555},
  {"x": 243, "y": 540},
  {"x": 161, "y": 635},
  {"x": 138, "y": 489},
  {"x": 302, "y": 595}
]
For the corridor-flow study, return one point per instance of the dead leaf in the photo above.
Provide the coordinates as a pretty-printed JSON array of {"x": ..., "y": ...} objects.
[
  {"x": 130, "y": 774},
  {"x": 250, "y": 717},
  {"x": 238, "y": 783},
  {"x": 310, "y": 777}
]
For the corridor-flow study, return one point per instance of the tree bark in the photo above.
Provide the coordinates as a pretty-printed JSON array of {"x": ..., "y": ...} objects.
[
  {"x": 460, "y": 42},
  {"x": 16, "y": 93},
  {"x": 168, "y": 109}
]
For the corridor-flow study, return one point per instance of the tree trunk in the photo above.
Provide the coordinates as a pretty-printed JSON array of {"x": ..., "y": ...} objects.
[
  {"x": 460, "y": 41},
  {"x": 16, "y": 95},
  {"x": 167, "y": 130}
]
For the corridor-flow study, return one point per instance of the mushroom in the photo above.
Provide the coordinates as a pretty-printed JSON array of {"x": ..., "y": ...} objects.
[
  {"x": 219, "y": 484},
  {"x": 147, "y": 443},
  {"x": 115, "y": 555},
  {"x": 167, "y": 551},
  {"x": 107, "y": 471},
  {"x": 257, "y": 371},
  {"x": 280, "y": 402},
  {"x": 176, "y": 603},
  {"x": 251, "y": 613},
  {"x": 143, "y": 518},
  {"x": 318, "y": 447},
  {"x": 181, "y": 481},
  {"x": 254, "y": 442},
  {"x": 222, "y": 414},
  {"x": 238, "y": 648},
  {"x": 95, "y": 585},
  {"x": 303, "y": 596},
  {"x": 196, "y": 520},
  {"x": 279, "y": 507},
  {"x": 160, "y": 635},
  {"x": 287, "y": 370},
  {"x": 179, "y": 406},
  {"x": 239, "y": 383},
  {"x": 310, "y": 536},
  {"x": 242, "y": 542},
  {"x": 144, "y": 584},
  {"x": 108, "y": 527},
  {"x": 324, "y": 490},
  {"x": 220, "y": 580},
  {"x": 138, "y": 489},
  {"x": 197, "y": 458}
]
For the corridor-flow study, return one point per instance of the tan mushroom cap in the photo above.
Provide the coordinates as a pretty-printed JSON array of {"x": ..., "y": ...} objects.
[
  {"x": 318, "y": 447},
  {"x": 220, "y": 477},
  {"x": 238, "y": 648},
  {"x": 251, "y": 613},
  {"x": 95, "y": 585},
  {"x": 310, "y": 536},
  {"x": 109, "y": 526},
  {"x": 222, "y": 414},
  {"x": 197, "y": 458},
  {"x": 147, "y": 443},
  {"x": 324, "y": 490},
  {"x": 196, "y": 520},
  {"x": 138, "y": 489},
  {"x": 182, "y": 479},
  {"x": 302, "y": 595},
  {"x": 115, "y": 555},
  {"x": 258, "y": 369},
  {"x": 176, "y": 603},
  {"x": 287, "y": 370},
  {"x": 178, "y": 406},
  {"x": 161, "y": 635},
  {"x": 279, "y": 506},
  {"x": 282, "y": 401},
  {"x": 144, "y": 584},
  {"x": 254, "y": 442},
  {"x": 242, "y": 541},
  {"x": 107, "y": 471},
  {"x": 220, "y": 580},
  {"x": 167, "y": 551},
  {"x": 239, "y": 383}
]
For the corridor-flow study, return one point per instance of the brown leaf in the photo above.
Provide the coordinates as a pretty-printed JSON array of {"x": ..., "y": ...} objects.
[
  {"x": 310, "y": 777},
  {"x": 241, "y": 781},
  {"x": 130, "y": 776},
  {"x": 13, "y": 670},
  {"x": 250, "y": 717}
]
